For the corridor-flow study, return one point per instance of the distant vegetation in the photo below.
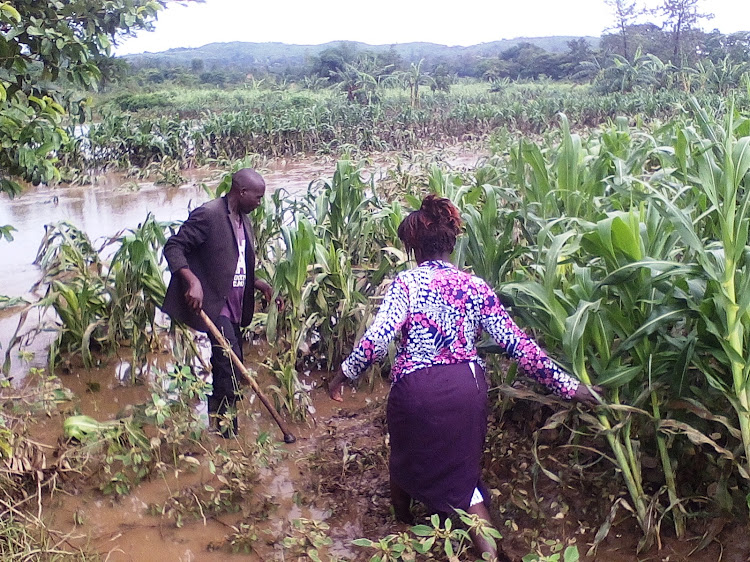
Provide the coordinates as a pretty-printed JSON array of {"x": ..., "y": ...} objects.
[
  {"x": 280, "y": 58},
  {"x": 559, "y": 58}
]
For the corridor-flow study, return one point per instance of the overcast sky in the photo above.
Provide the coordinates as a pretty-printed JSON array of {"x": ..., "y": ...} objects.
[{"x": 461, "y": 22}]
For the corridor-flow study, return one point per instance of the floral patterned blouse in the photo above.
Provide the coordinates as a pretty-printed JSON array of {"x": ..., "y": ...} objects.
[{"x": 438, "y": 312}]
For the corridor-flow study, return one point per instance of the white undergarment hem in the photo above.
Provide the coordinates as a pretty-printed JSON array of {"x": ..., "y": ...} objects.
[{"x": 476, "y": 497}]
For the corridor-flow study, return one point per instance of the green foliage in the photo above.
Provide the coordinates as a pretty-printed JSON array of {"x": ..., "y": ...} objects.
[
  {"x": 289, "y": 393},
  {"x": 623, "y": 250},
  {"x": 118, "y": 454},
  {"x": 101, "y": 303},
  {"x": 217, "y": 126},
  {"x": 6, "y": 232},
  {"x": 307, "y": 537},
  {"x": 50, "y": 48},
  {"x": 434, "y": 540},
  {"x": 556, "y": 553}
]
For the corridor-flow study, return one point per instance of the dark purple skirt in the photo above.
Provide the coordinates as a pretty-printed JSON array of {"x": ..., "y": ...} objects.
[{"x": 437, "y": 420}]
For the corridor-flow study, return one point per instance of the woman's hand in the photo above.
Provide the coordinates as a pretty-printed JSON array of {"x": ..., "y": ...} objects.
[
  {"x": 335, "y": 387},
  {"x": 588, "y": 394}
]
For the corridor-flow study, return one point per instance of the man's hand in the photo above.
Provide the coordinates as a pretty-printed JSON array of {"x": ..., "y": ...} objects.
[
  {"x": 264, "y": 287},
  {"x": 588, "y": 394},
  {"x": 335, "y": 386},
  {"x": 194, "y": 293}
]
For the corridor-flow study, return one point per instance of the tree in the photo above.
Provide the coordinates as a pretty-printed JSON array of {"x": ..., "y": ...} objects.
[
  {"x": 648, "y": 38},
  {"x": 412, "y": 79},
  {"x": 736, "y": 46},
  {"x": 333, "y": 59},
  {"x": 197, "y": 66},
  {"x": 359, "y": 85},
  {"x": 680, "y": 16},
  {"x": 625, "y": 14},
  {"x": 579, "y": 52},
  {"x": 49, "y": 49}
]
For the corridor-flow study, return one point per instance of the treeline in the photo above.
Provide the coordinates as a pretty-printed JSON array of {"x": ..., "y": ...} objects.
[{"x": 576, "y": 59}]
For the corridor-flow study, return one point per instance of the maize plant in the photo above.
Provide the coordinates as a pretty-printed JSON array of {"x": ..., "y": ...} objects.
[{"x": 716, "y": 243}]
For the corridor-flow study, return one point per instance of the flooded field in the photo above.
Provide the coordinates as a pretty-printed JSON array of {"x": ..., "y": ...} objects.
[
  {"x": 113, "y": 204},
  {"x": 102, "y": 210},
  {"x": 253, "y": 497},
  {"x": 334, "y": 480}
]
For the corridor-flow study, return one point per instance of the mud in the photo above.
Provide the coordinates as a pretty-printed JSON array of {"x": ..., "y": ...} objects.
[
  {"x": 294, "y": 486},
  {"x": 336, "y": 473}
]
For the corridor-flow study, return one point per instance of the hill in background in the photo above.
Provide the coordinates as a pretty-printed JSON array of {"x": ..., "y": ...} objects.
[{"x": 242, "y": 55}]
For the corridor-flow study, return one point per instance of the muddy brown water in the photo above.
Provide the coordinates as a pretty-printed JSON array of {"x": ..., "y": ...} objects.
[
  {"x": 101, "y": 210},
  {"x": 125, "y": 530},
  {"x": 115, "y": 203}
]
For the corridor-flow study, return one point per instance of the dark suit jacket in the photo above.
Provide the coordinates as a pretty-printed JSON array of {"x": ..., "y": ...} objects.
[{"x": 207, "y": 245}]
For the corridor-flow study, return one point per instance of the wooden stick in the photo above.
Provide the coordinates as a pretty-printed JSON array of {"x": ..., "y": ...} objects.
[{"x": 288, "y": 437}]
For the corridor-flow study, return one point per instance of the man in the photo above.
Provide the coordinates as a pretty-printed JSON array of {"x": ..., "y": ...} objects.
[{"x": 212, "y": 261}]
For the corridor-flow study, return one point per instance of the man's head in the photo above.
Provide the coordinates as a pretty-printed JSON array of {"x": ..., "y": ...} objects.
[{"x": 248, "y": 189}]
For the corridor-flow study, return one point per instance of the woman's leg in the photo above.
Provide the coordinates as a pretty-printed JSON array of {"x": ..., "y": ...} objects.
[
  {"x": 401, "y": 502},
  {"x": 481, "y": 544}
]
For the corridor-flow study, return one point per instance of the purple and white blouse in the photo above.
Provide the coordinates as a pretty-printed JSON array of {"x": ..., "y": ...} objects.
[{"x": 438, "y": 313}]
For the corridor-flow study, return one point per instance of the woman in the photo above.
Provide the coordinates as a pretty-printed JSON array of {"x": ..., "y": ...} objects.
[{"x": 437, "y": 407}]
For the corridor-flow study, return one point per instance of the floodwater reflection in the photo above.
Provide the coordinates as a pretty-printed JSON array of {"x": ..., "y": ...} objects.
[{"x": 102, "y": 210}]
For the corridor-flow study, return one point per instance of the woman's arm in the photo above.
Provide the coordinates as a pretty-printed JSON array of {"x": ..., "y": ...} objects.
[
  {"x": 531, "y": 359},
  {"x": 374, "y": 343}
]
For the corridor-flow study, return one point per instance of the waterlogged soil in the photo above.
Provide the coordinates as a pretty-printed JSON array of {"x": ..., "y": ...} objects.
[{"x": 336, "y": 473}]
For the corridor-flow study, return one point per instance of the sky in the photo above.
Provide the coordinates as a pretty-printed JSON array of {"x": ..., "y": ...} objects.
[{"x": 383, "y": 22}]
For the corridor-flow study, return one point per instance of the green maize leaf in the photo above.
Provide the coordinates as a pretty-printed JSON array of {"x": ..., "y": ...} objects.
[
  {"x": 575, "y": 326},
  {"x": 653, "y": 323},
  {"x": 682, "y": 364},
  {"x": 743, "y": 291},
  {"x": 83, "y": 427},
  {"x": 682, "y": 223},
  {"x": 567, "y": 165},
  {"x": 658, "y": 268},
  {"x": 732, "y": 354},
  {"x": 626, "y": 236},
  {"x": 533, "y": 156},
  {"x": 619, "y": 376},
  {"x": 413, "y": 201},
  {"x": 741, "y": 159},
  {"x": 718, "y": 384}
]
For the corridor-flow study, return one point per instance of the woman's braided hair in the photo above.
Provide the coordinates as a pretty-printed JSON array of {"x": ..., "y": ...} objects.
[{"x": 433, "y": 228}]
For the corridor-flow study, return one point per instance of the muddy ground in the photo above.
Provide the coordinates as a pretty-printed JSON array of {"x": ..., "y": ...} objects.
[{"x": 335, "y": 478}]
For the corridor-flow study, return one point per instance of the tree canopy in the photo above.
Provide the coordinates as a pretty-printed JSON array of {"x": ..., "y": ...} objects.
[{"x": 48, "y": 50}]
